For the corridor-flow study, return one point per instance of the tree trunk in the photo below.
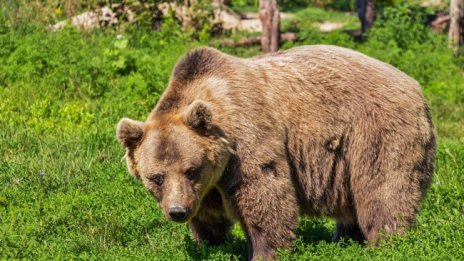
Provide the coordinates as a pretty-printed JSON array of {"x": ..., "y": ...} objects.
[
  {"x": 188, "y": 3},
  {"x": 456, "y": 30},
  {"x": 366, "y": 14},
  {"x": 221, "y": 2},
  {"x": 270, "y": 19}
]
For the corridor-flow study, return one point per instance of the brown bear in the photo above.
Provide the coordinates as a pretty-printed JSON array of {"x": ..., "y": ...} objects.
[{"x": 317, "y": 130}]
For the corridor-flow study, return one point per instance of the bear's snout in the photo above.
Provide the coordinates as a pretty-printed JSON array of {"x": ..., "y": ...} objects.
[
  {"x": 180, "y": 201},
  {"x": 177, "y": 213}
]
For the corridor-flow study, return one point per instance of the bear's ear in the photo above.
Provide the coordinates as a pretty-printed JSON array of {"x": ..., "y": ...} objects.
[
  {"x": 198, "y": 115},
  {"x": 129, "y": 132}
]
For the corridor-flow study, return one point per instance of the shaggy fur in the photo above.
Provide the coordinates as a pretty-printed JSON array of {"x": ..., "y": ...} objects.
[{"x": 316, "y": 130}]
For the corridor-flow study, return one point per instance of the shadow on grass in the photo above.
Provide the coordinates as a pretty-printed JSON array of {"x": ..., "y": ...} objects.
[
  {"x": 233, "y": 248},
  {"x": 309, "y": 231},
  {"x": 314, "y": 230}
]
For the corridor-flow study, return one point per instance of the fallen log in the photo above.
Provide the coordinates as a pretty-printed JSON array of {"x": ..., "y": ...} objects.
[
  {"x": 254, "y": 40},
  {"x": 439, "y": 22}
]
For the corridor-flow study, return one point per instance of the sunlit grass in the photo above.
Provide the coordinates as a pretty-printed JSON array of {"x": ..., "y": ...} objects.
[{"x": 66, "y": 194}]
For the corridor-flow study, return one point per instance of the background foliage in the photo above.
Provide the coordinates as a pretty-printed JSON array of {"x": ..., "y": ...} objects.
[{"x": 64, "y": 192}]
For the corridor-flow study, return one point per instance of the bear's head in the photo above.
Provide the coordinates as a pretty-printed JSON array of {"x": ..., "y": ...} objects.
[{"x": 178, "y": 157}]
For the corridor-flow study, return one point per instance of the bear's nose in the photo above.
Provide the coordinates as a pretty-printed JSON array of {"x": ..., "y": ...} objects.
[{"x": 177, "y": 213}]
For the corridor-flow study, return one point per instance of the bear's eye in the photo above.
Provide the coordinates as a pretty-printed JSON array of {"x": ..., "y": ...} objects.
[
  {"x": 157, "y": 179},
  {"x": 192, "y": 172}
]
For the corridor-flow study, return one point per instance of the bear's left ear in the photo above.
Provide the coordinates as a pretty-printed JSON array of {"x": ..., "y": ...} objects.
[
  {"x": 198, "y": 115},
  {"x": 129, "y": 132}
]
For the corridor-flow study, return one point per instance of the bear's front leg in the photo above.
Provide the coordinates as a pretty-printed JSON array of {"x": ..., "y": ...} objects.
[
  {"x": 212, "y": 230},
  {"x": 211, "y": 224},
  {"x": 266, "y": 204},
  {"x": 348, "y": 231}
]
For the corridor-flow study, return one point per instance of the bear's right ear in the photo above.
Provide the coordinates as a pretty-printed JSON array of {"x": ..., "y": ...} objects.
[
  {"x": 198, "y": 115},
  {"x": 130, "y": 132}
]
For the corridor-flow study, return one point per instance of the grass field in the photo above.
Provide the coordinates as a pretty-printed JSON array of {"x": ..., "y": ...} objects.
[{"x": 65, "y": 193}]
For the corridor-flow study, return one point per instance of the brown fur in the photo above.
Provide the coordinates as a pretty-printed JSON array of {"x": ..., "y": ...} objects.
[{"x": 318, "y": 130}]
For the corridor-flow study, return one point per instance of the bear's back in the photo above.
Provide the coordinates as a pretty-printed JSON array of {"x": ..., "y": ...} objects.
[
  {"x": 326, "y": 68},
  {"x": 323, "y": 83}
]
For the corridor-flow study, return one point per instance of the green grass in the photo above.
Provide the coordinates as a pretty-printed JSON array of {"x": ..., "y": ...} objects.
[{"x": 65, "y": 193}]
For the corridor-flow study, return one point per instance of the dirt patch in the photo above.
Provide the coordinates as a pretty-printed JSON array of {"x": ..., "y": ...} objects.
[{"x": 328, "y": 26}]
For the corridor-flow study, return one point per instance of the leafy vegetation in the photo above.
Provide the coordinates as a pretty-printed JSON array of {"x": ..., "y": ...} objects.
[{"x": 64, "y": 192}]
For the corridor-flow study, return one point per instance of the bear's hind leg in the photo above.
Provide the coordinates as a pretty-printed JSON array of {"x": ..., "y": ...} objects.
[{"x": 379, "y": 217}]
